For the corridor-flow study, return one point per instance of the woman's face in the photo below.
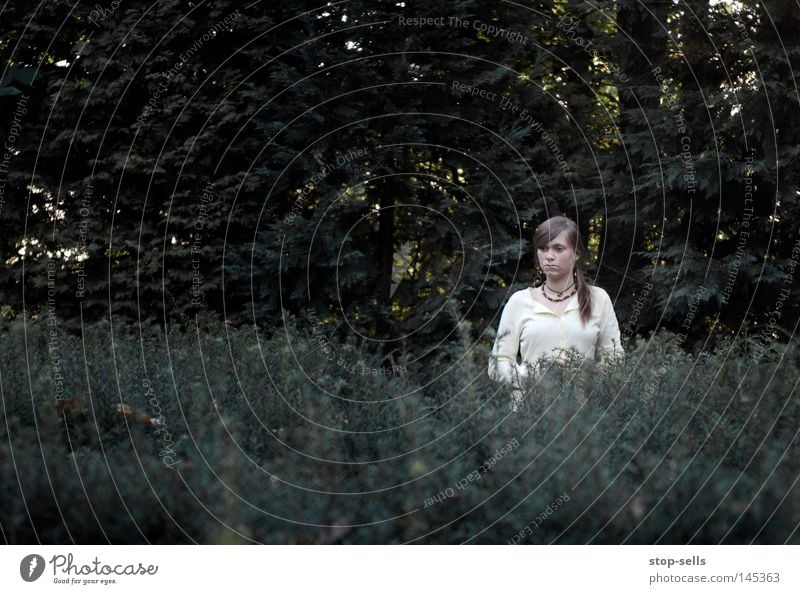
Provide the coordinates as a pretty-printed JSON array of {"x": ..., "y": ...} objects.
[{"x": 557, "y": 259}]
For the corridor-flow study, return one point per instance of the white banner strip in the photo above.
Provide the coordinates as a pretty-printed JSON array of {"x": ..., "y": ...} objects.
[{"x": 390, "y": 569}]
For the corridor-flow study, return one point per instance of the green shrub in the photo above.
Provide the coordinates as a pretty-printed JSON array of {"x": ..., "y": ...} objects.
[{"x": 273, "y": 441}]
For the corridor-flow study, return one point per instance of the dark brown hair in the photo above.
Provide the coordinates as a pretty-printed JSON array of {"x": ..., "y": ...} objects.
[{"x": 545, "y": 233}]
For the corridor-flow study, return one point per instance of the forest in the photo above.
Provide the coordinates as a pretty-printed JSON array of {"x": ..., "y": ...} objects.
[{"x": 254, "y": 257}]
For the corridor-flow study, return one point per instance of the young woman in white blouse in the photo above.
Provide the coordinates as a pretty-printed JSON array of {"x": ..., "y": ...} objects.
[{"x": 541, "y": 324}]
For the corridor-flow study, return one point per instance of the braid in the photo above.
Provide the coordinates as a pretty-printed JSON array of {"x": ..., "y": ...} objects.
[{"x": 584, "y": 295}]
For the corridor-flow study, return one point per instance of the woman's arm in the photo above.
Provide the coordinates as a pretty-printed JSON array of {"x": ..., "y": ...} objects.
[{"x": 503, "y": 365}]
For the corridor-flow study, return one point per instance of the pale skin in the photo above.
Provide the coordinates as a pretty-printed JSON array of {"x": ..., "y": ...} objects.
[{"x": 557, "y": 261}]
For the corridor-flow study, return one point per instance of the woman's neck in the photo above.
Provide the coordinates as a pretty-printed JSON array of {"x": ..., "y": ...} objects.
[{"x": 559, "y": 284}]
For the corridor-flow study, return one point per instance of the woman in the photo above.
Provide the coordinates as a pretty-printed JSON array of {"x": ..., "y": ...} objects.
[{"x": 563, "y": 313}]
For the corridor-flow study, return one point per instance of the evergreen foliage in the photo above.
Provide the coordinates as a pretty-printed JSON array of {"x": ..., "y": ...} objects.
[
  {"x": 234, "y": 210},
  {"x": 274, "y": 443},
  {"x": 255, "y": 160}
]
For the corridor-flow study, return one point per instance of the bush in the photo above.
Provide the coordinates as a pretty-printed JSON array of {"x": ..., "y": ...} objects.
[{"x": 236, "y": 437}]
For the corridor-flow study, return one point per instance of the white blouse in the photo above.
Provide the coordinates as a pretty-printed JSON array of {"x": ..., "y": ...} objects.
[{"x": 531, "y": 330}]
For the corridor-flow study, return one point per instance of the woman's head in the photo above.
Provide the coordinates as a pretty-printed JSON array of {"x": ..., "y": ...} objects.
[
  {"x": 558, "y": 247},
  {"x": 558, "y": 244}
]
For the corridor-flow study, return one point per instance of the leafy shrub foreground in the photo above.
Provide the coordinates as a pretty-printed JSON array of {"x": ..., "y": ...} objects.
[{"x": 224, "y": 436}]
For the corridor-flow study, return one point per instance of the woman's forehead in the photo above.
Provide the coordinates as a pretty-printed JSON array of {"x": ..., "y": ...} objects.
[{"x": 561, "y": 239}]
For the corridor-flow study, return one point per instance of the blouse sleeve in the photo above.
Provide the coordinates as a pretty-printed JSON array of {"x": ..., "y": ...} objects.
[
  {"x": 503, "y": 366},
  {"x": 609, "y": 343}
]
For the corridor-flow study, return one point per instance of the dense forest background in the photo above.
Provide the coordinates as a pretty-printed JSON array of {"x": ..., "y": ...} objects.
[
  {"x": 285, "y": 231},
  {"x": 183, "y": 157}
]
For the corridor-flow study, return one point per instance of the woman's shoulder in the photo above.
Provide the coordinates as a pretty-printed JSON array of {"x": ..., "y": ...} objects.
[
  {"x": 599, "y": 295},
  {"x": 599, "y": 291},
  {"x": 519, "y": 300},
  {"x": 523, "y": 295}
]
